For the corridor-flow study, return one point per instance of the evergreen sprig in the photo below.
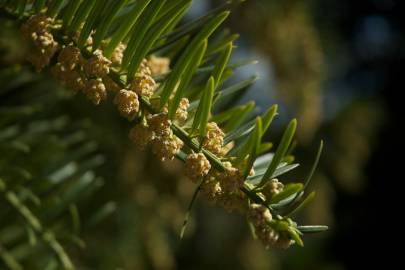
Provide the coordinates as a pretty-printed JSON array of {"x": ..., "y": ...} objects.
[{"x": 121, "y": 47}]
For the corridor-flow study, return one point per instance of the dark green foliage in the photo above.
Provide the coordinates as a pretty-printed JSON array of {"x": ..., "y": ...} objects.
[{"x": 46, "y": 175}]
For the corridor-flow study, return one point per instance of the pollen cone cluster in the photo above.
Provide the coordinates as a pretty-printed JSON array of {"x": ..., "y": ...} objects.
[{"x": 88, "y": 71}]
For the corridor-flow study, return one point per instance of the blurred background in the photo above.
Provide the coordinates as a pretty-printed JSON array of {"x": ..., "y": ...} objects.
[{"x": 333, "y": 64}]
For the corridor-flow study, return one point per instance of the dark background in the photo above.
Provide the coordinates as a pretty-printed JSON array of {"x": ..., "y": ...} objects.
[{"x": 366, "y": 240}]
